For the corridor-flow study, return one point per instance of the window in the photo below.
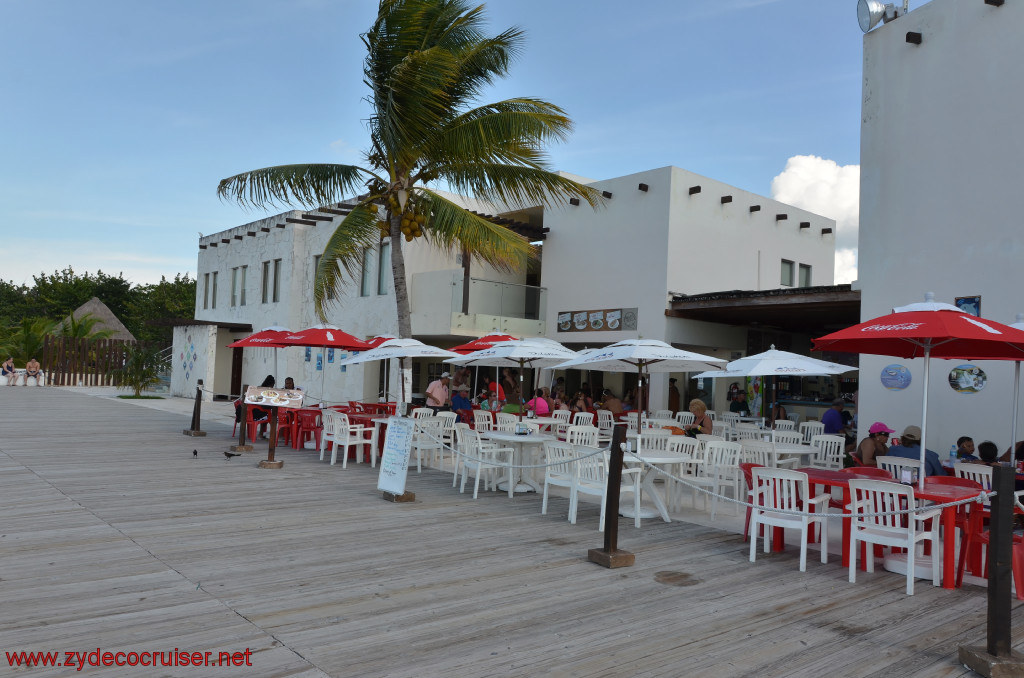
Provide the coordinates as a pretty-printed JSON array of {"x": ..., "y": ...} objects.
[
  {"x": 213, "y": 292},
  {"x": 277, "y": 280},
  {"x": 787, "y": 273},
  {"x": 206, "y": 290},
  {"x": 366, "y": 283},
  {"x": 805, "y": 275},
  {"x": 234, "y": 286},
  {"x": 329, "y": 292},
  {"x": 241, "y": 285},
  {"x": 266, "y": 281},
  {"x": 383, "y": 267}
]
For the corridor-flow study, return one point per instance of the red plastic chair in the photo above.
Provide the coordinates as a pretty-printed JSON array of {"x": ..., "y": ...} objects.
[
  {"x": 251, "y": 425},
  {"x": 286, "y": 425},
  {"x": 308, "y": 427},
  {"x": 977, "y": 536}
]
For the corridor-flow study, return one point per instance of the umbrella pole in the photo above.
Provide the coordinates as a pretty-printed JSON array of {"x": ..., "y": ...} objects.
[
  {"x": 1016, "y": 397},
  {"x": 401, "y": 378},
  {"x": 522, "y": 403},
  {"x": 924, "y": 416}
]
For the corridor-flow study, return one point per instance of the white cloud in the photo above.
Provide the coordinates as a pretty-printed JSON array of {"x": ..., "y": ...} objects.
[{"x": 824, "y": 187}]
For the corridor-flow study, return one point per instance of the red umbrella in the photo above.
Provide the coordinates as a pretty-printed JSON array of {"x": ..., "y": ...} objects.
[
  {"x": 482, "y": 344},
  {"x": 264, "y": 338},
  {"x": 928, "y": 334},
  {"x": 323, "y": 336}
]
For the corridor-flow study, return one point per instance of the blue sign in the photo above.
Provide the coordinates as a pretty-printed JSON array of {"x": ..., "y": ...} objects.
[{"x": 895, "y": 377}]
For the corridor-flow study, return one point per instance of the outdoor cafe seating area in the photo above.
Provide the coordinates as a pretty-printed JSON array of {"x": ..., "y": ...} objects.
[{"x": 784, "y": 479}]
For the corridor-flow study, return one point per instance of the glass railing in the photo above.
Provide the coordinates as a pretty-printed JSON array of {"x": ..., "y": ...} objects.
[{"x": 508, "y": 300}]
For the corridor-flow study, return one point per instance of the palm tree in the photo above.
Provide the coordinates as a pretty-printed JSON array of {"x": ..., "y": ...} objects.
[
  {"x": 27, "y": 339},
  {"x": 140, "y": 368},
  {"x": 427, "y": 61},
  {"x": 83, "y": 327}
]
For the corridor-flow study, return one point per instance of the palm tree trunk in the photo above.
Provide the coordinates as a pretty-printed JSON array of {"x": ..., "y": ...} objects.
[{"x": 398, "y": 274}]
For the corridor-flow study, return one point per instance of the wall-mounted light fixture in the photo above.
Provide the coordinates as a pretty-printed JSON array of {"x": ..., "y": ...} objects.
[
  {"x": 643, "y": 187},
  {"x": 726, "y": 198},
  {"x": 694, "y": 190},
  {"x": 914, "y": 38},
  {"x": 575, "y": 202},
  {"x": 755, "y": 208}
]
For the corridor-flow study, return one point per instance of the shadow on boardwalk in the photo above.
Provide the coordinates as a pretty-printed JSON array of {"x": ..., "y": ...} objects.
[{"x": 114, "y": 537}]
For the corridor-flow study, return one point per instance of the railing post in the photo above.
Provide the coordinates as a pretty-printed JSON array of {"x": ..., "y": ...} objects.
[
  {"x": 610, "y": 556},
  {"x": 243, "y": 419},
  {"x": 193, "y": 429},
  {"x": 997, "y": 657}
]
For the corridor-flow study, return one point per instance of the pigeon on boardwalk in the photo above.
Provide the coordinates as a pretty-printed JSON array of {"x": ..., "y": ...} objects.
[
  {"x": 229, "y": 455},
  {"x": 195, "y": 454}
]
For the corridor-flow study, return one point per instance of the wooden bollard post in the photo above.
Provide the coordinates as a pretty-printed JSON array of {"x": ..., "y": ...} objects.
[
  {"x": 243, "y": 417},
  {"x": 193, "y": 429},
  {"x": 270, "y": 462},
  {"x": 610, "y": 556},
  {"x": 997, "y": 658}
]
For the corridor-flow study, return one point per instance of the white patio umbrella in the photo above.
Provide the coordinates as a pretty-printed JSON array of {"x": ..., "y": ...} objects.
[
  {"x": 776, "y": 363},
  {"x": 642, "y": 356},
  {"x": 401, "y": 349},
  {"x": 532, "y": 353}
]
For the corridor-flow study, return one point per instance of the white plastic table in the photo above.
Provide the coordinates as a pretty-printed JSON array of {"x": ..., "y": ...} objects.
[
  {"x": 524, "y": 483},
  {"x": 647, "y": 486},
  {"x": 805, "y": 452}
]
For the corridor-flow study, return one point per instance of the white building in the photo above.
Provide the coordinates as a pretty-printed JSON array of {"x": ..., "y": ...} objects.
[
  {"x": 662, "y": 232},
  {"x": 941, "y": 150}
]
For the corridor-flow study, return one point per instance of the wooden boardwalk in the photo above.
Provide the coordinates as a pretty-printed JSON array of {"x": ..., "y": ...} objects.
[{"x": 114, "y": 537}]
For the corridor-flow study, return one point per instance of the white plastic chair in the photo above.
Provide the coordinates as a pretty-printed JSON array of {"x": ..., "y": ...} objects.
[
  {"x": 979, "y": 473},
  {"x": 711, "y": 413},
  {"x": 748, "y": 432},
  {"x": 877, "y": 496},
  {"x": 582, "y": 435},
  {"x": 787, "y": 438},
  {"x": 592, "y": 479},
  {"x": 482, "y": 457},
  {"x": 505, "y": 422},
  {"x": 482, "y": 420},
  {"x": 722, "y": 464},
  {"x": 729, "y": 418},
  {"x": 684, "y": 418},
  {"x": 704, "y": 438},
  {"x": 461, "y": 449},
  {"x": 784, "y": 425},
  {"x": 830, "y": 452},
  {"x": 633, "y": 421},
  {"x": 662, "y": 414},
  {"x": 421, "y": 412},
  {"x": 776, "y": 489},
  {"x": 654, "y": 439},
  {"x": 561, "y": 468},
  {"x": 448, "y": 420},
  {"x": 794, "y": 417},
  {"x": 896, "y": 465},
  {"x": 756, "y": 451},
  {"x": 344, "y": 435},
  {"x": 428, "y": 438},
  {"x": 684, "y": 445},
  {"x": 809, "y": 429},
  {"x": 583, "y": 419},
  {"x": 605, "y": 425}
]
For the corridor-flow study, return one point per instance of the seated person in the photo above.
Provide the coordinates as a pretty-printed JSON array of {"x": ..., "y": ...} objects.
[
  {"x": 33, "y": 371},
  {"x": 8, "y": 370},
  {"x": 875, "y": 445},
  {"x": 702, "y": 423},
  {"x": 910, "y": 448},
  {"x": 579, "y": 402},
  {"x": 612, "y": 404},
  {"x": 778, "y": 414},
  {"x": 491, "y": 402},
  {"x": 965, "y": 449},
  {"x": 289, "y": 384},
  {"x": 740, "y": 405},
  {"x": 461, "y": 404},
  {"x": 495, "y": 387},
  {"x": 538, "y": 405},
  {"x": 1018, "y": 453},
  {"x": 258, "y": 413},
  {"x": 988, "y": 453},
  {"x": 548, "y": 399}
]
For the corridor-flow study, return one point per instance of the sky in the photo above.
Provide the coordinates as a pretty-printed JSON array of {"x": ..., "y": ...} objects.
[{"x": 118, "y": 117}]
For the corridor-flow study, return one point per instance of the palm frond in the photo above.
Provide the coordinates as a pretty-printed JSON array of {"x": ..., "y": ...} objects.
[
  {"x": 300, "y": 185},
  {"x": 341, "y": 261},
  {"x": 517, "y": 187},
  {"x": 452, "y": 228}
]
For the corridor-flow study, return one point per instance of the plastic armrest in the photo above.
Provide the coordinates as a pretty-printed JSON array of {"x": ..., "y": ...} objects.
[{"x": 821, "y": 499}]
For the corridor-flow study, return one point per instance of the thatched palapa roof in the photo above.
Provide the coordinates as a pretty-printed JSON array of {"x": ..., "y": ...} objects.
[{"x": 107, "y": 319}]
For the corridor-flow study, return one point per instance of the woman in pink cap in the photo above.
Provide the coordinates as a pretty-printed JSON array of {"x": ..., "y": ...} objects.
[{"x": 875, "y": 445}]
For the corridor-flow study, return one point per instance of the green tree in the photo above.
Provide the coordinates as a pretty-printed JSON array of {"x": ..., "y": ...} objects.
[
  {"x": 156, "y": 308},
  {"x": 26, "y": 340},
  {"x": 427, "y": 62},
  {"x": 82, "y": 327},
  {"x": 13, "y": 303},
  {"x": 141, "y": 368}
]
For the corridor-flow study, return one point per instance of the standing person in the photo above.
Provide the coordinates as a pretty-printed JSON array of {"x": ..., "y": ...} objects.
[
  {"x": 495, "y": 388},
  {"x": 739, "y": 406},
  {"x": 510, "y": 380},
  {"x": 33, "y": 371},
  {"x": 702, "y": 423},
  {"x": 8, "y": 370},
  {"x": 437, "y": 393},
  {"x": 833, "y": 418},
  {"x": 673, "y": 396},
  {"x": 875, "y": 445}
]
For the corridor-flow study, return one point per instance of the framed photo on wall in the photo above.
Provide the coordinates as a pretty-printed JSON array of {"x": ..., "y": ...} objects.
[{"x": 970, "y": 305}]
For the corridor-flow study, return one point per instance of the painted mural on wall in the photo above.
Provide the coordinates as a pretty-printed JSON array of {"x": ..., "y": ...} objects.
[
  {"x": 895, "y": 377},
  {"x": 967, "y": 378}
]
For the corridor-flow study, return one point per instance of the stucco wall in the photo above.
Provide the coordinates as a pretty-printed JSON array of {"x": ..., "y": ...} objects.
[{"x": 941, "y": 143}]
